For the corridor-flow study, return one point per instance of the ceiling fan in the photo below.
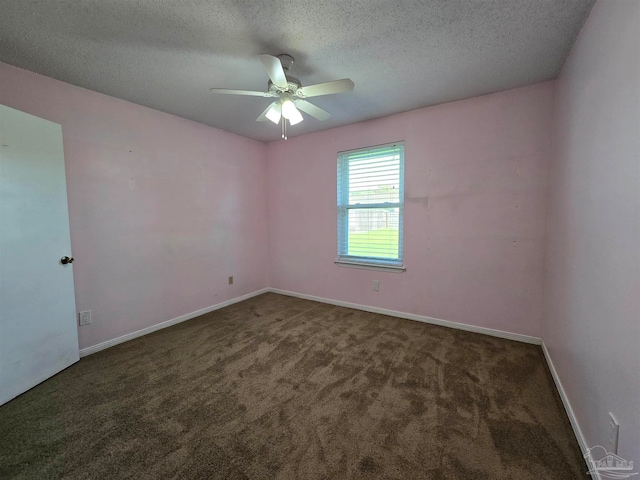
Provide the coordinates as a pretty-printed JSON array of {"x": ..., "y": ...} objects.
[{"x": 290, "y": 94}]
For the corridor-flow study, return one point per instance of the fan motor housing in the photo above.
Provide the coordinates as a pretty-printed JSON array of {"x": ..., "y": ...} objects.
[{"x": 293, "y": 84}]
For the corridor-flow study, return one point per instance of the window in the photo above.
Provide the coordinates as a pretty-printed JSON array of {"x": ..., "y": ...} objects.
[{"x": 371, "y": 206}]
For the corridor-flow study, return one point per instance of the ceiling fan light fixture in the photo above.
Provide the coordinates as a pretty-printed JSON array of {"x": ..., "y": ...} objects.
[
  {"x": 295, "y": 117},
  {"x": 274, "y": 113},
  {"x": 290, "y": 112},
  {"x": 288, "y": 108}
]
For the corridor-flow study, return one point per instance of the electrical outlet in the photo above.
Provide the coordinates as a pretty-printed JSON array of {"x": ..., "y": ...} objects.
[
  {"x": 85, "y": 318},
  {"x": 614, "y": 432},
  {"x": 375, "y": 285},
  {"x": 231, "y": 280}
]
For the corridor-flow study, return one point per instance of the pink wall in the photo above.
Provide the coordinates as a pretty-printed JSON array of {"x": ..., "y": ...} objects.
[
  {"x": 476, "y": 187},
  {"x": 592, "y": 314},
  {"x": 162, "y": 209}
]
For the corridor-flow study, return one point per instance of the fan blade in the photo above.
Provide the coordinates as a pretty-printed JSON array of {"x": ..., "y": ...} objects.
[
  {"x": 251, "y": 93},
  {"x": 337, "y": 86},
  {"x": 274, "y": 70},
  {"x": 311, "y": 109}
]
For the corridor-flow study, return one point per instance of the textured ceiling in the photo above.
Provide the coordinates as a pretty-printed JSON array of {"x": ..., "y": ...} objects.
[{"x": 401, "y": 55}]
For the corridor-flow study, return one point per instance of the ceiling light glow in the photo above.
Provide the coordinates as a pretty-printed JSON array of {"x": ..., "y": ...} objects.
[
  {"x": 295, "y": 116},
  {"x": 274, "y": 113},
  {"x": 288, "y": 108},
  {"x": 290, "y": 112}
]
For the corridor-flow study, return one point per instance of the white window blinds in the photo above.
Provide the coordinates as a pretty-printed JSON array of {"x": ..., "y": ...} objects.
[{"x": 371, "y": 205}]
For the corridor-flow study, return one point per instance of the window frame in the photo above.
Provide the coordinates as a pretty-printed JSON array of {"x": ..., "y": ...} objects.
[{"x": 343, "y": 207}]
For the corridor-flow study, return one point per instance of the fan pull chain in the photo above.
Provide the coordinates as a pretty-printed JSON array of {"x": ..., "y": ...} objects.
[{"x": 284, "y": 128}]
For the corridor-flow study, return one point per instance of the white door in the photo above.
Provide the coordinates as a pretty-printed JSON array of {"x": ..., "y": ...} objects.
[{"x": 38, "y": 334}]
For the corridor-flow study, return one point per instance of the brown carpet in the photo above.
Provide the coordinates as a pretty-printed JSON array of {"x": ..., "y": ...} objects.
[{"x": 282, "y": 388}]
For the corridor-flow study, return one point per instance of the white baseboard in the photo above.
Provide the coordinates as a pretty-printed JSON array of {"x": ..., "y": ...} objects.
[
  {"x": 412, "y": 316},
  {"x": 393, "y": 313},
  {"x": 159, "y": 326},
  {"x": 567, "y": 406}
]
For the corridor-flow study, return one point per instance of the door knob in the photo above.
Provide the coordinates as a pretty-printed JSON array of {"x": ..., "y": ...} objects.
[{"x": 65, "y": 260}]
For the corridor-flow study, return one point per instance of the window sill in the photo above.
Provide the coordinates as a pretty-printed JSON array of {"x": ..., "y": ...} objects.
[{"x": 371, "y": 266}]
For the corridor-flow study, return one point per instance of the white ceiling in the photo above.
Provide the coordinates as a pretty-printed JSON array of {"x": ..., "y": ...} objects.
[{"x": 401, "y": 54}]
